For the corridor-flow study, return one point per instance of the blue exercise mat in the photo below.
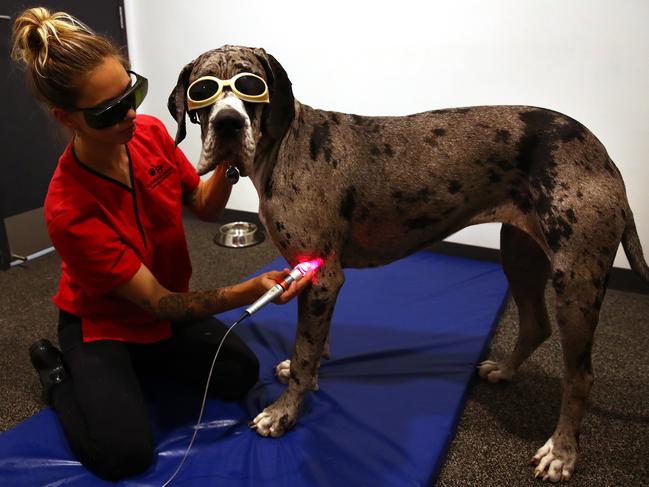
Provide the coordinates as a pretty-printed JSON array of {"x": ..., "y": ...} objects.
[{"x": 405, "y": 340}]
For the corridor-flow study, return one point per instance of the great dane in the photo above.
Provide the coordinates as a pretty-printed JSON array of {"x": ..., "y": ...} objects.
[{"x": 364, "y": 191}]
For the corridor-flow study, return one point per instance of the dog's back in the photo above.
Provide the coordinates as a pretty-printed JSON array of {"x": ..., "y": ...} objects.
[{"x": 397, "y": 184}]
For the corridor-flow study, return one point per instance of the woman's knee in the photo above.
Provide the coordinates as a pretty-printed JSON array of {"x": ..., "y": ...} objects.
[
  {"x": 115, "y": 460},
  {"x": 250, "y": 372},
  {"x": 237, "y": 378}
]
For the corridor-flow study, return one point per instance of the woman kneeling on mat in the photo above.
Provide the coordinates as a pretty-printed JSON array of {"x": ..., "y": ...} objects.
[{"x": 114, "y": 214}]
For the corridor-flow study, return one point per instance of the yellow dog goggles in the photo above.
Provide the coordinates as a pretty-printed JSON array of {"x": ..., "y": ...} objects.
[{"x": 246, "y": 86}]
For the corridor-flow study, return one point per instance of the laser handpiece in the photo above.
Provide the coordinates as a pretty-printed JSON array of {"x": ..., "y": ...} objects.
[{"x": 298, "y": 272}]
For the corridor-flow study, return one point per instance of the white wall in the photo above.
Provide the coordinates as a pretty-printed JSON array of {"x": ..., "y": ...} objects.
[{"x": 585, "y": 58}]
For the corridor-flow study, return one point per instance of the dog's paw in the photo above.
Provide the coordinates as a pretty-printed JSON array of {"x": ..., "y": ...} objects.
[
  {"x": 554, "y": 464},
  {"x": 283, "y": 371},
  {"x": 494, "y": 372},
  {"x": 275, "y": 420}
]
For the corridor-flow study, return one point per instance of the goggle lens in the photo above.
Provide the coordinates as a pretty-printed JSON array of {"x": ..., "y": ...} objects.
[
  {"x": 250, "y": 85},
  {"x": 204, "y": 89}
]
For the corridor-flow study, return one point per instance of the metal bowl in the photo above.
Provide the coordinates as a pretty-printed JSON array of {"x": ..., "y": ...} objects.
[{"x": 238, "y": 234}]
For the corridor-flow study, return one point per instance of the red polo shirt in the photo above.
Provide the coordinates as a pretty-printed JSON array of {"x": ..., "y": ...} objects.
[{"x": 103, "y": 230}]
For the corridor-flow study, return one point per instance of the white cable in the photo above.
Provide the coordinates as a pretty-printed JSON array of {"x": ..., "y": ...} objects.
[{"x": 200, "y": 415}]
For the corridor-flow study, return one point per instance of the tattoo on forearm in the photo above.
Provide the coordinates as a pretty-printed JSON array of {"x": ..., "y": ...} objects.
[{"x": 192, "y": 305}]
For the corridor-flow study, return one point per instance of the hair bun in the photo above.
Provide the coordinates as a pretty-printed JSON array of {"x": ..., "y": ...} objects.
[
  {"x": 36, "y": 30},
  {"x": 58, "y": 51}
]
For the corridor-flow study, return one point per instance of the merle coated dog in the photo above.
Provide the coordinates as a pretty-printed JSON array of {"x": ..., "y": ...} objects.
[{"x": 363, "y": 191}]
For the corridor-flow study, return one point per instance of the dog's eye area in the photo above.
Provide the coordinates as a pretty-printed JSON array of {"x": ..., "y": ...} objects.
[
  {"x": 250, "y": 85},
  {"x": 203, "y": 89}
]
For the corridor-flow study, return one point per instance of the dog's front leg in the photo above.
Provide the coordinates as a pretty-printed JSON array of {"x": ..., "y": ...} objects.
[
  {"x": 283, "y": 369},
  {"x": 315, "y": 308}
]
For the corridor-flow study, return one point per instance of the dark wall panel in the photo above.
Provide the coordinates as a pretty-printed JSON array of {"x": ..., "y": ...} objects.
[{"x": 31, "y": 140}]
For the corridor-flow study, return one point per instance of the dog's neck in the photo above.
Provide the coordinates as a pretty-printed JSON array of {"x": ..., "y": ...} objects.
[{"x": 267, "y": 157}]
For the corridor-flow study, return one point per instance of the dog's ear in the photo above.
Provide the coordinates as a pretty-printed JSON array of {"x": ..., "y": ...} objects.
[
  {"x": 177, "y": 103},
  {"x": 280, "y": 112}
]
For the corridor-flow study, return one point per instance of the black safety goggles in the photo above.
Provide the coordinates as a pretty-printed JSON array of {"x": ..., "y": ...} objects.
[{"x": 114, "y": 111}]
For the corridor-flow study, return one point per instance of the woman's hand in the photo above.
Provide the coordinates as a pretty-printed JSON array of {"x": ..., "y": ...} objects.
[{"x": 268, "y": 279}]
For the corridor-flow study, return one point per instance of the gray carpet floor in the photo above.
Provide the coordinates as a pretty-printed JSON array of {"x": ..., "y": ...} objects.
[{"x": 501, "y": 426}]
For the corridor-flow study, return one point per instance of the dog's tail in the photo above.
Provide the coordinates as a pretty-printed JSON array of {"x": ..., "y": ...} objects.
[{"x": 633, "y": 248}]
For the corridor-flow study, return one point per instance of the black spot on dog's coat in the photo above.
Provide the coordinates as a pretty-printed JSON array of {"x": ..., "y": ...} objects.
[
  {"x": 439, "y": 132},
  {"x": 320, "y": 141},
  {"x": 521, "y": 200},
  {"x": 421, "y": 222},
  {"x": 559, "y": 281},
  {"x": 572, "y": 130},
  {"x": 571, "y": 215},
  {"x": 318, "y": 307},
  {"x": 423, "y": 195},
  {"x": 526, "y": 151},
  {"x": 268, "y": 187},
  {"x": 348, "y": 203},
  {"x": 584, "y": 361},
  {"x": 494, "y": 177},
  {"x": 558, "y": 230},
  {"x": 543, "y": 204},
  {"x": 538, "y": 139},
  {"x": 503, "y": 136},
  {"x": 454, "y": 186}
]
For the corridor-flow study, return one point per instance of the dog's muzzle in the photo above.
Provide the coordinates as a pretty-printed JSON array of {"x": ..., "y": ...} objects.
[{"x": 228, "y": 122}]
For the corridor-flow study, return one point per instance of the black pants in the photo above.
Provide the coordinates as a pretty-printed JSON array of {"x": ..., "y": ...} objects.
[{"x": 101, "y": 405}]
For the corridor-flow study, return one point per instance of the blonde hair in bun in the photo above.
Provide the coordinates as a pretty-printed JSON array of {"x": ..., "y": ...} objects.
[
  {"x": 58, "y": 51},
  {"x": 34, "y": 29}
]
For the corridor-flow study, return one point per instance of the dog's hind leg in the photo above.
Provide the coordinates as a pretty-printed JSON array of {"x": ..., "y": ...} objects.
[
  {"x": 579, "y": 279},
  {"x": 527, "y": 269},
  {"x": 315, "y": 309}
]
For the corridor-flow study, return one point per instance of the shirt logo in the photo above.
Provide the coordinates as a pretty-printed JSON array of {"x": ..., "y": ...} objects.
[{"x": 157, "y": 174}]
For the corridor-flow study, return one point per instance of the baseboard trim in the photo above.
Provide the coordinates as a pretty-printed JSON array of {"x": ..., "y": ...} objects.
[
  {"x": 620, "y": 279},
  {"x": 229, "y": 216}
]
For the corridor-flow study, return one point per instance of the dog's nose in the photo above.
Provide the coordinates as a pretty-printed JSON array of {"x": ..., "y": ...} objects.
[{"x": 228, "y": 121}]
